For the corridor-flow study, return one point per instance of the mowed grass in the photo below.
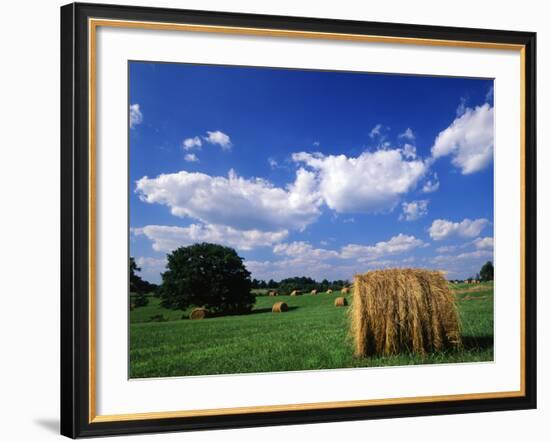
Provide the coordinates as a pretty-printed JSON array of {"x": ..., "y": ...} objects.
[{"x": 313, "y": 334}]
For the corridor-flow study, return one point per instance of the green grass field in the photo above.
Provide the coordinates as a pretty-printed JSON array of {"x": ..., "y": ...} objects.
[{"x": 311, "y": 335}]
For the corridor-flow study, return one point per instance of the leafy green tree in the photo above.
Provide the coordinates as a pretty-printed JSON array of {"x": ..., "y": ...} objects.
[
  {"x": 134, "y": 279},
  {"x": 207, "y": 275},
  {"x": 138, "y": 287},
  {"x": 302, "y": 283},
  {"x": 487, "y": 271},
  {"x": 140, "y": 300}
]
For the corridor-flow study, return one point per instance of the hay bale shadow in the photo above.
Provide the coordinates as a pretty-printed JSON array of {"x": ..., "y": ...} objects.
[
  {"x": 268, "y": 310},
  {"x": 211, "y": 315}
]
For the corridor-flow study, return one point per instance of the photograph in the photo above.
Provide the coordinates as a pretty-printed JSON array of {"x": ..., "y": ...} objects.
[{"x": 283, "y": 220}]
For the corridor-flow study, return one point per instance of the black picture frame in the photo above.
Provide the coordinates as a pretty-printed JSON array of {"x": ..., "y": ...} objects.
[{"x": 75, "y": 220}]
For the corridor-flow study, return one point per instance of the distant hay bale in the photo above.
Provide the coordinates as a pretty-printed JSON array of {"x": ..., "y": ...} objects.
[
  {"x": 273, "y": 293},
  {"x": 340, "y": 302},
  {"x": 313, "y": 292},
  {"x": 345, "y": 290},
  {"x": 279, "y": 307},
  {"x": 295, "y": 293},
  {"x": 403, "y": 310},
  {"x": 329, "y": 291},
  {"x": 198, "y": 313}
]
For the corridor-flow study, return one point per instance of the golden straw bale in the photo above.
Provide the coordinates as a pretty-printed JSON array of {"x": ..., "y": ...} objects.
[
  {"x": 273, "y": 293},
  {"x": 314, "y": 292},
  {"x": 295, "y": 293},
  {"x": 345, "y": 290},
  {"x": 340, "y": 302},
  {"x": 329, "y": 291},
  {"x": 198, "y": 313},
  {"x": 403, "y": 310},
  {"x": 279, "y": 307}
]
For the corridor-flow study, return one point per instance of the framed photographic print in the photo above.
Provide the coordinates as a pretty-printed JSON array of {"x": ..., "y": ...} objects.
[{"x": 278, "y": 220}]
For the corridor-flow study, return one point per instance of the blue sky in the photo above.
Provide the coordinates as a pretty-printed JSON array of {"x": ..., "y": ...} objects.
[{"x": 315, "y": 173}]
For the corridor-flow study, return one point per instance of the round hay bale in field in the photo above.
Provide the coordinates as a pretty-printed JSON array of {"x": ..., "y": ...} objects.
[
  {"x": 198, "y": 313},
  {"x": 403, "y": 310},
  {"x": 340, "y": 302},
  {"x": 273, "y": 293},
  {"x": 295, "y": 293},
  {"x": 345, "y": 290},
  {"x": 279, "y": 307},
  {"x": 313, "y": 292},
  {"x": 329, "y": 291}
]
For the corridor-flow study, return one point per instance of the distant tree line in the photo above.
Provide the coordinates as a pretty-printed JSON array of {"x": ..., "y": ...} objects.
[
  {"x": 302, "y": 283},
  {"x": 215, "y": 277},
  {"x": 138, "y": 285},
  {"x": 487, "y": 273},
  {"x": 139, "y": 288}
]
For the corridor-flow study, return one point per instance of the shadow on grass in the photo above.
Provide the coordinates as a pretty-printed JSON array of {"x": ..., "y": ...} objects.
[
  {"x": 477, "y": 342},
  {"x": 268, "y": 309},
  {"x": 226, "y": 315}
]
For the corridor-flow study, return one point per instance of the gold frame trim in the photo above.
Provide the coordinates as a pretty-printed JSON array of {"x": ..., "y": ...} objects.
[{"x": 93, "y": 24}]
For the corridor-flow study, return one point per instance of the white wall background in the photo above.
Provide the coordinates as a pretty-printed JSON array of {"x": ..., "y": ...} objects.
[{"x": 29, "y": 220}]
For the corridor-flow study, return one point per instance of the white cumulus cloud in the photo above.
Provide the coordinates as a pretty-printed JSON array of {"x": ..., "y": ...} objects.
[
  {"x": 397, "y": 244},
  {"x": 447, "y": 249},
  {"x": 372, "y": 182},
  {"x": 376, "y": 131},
  {"x": 235, "y": 201},
  {"x": 484, "y": 243},
  {"x": 191, "y": 158},
  {"x": 409, "y": 151},
  {"x": 219, "y": 138},
  {"x": 431, "y": 185},
  {"x": 151, "y": 267},
  {"x": 298, "y": 248},
  {"x": 414, "y": 210},
  {"x": 469, "y": 140},
  {"x": 466, "y": 256},
  {"x": 192, "y": 143},
  {"x": 408, "y": 134},
  {"x": 302, "y": 258},
  {"x": 168, "y": 238},
  {"x": 303, "y": 265},
  {"x": 136, "y": 116},
  {"x": 467, "y": 228}
]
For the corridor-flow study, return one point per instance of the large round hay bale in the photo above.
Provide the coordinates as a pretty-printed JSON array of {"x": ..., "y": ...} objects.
[
  {"x": 198, "y": 313},
  {"x": 403, "y": 310},
  {"x": 329, "y": 291},
  {"x": 313, "y": 292},
  {"x": 340, "y": 302},
  {"x": 295, "y": 293},
  {"x": 279, "y": 307},
  {"x": 273, "y": 293},
  {"x": 345, "y": 290}
]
